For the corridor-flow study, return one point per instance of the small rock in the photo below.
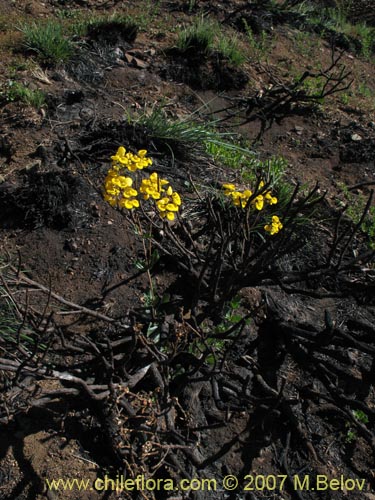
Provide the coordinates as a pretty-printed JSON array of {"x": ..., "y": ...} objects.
[
  {"x": 298, "y": 130},
  {"x": 356, "y": 137},
  {"x": 118, "y": 52},
  {"x": 95, "y": 209},
  {"x": 86, "y": 114},
  {"x": 371, "y": 124},
  {"x": 135, "y": 61},
  {"x": 2, "y": 179},
  {"x": 128, "y": 58},
  {"x": 70, "y": 245},
  {"x": 40, "y": 152},
  {"x": 32, "y": 166}
]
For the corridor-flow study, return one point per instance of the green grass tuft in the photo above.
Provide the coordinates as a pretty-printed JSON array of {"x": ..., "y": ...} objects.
[
  {"x": 199, "y": 37},
  {"x": 186, "y": 131},
  {"x": 206, "y": 37},
  {"x": 18, "y": 92},
  {"x": 48, "y": 41},
  {"x": 336, "y": 19},
  {"x": 230, "y": 49}
]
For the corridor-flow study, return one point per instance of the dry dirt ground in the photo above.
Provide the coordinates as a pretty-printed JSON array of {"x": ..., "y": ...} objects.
[{"x": 92, "y": 392}]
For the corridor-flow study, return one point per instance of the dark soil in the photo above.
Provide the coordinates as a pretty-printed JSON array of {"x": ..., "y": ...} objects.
[{"x": 202, "y": 72}]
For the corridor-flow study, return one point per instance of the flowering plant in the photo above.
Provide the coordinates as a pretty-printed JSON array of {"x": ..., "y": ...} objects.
[
  {"x": 257, "y": 200},
  {"x": 123, "y": 191}
]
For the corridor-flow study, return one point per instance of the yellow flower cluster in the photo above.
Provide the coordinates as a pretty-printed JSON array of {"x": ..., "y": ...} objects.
[
  {"x": 129, "y": 160},
  {"x": 169, "y": 204},
  {"x": 240, "y": 198},
  {"x": 153, "y": 187},
  {"x": 119, "y": 190},
  {"x": 275, "y": 225}
]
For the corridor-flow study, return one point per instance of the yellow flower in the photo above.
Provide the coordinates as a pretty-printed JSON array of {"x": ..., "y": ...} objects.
[
  {"x": 111, "y": 173},
  {"x": 132, "y": 166},
  {"x": 129, "y": 203},
  {"x": 245, "y": 197},
  {"x": 176, "y": 199},
  {"x": 162, "y": 204},
  {"x": 129, "y": 192},
  {"x": 167, "y": 215},
  {"x": 122, "y": 182},
  {"x": 259, "y": 202},
  {"x": 119, "y": 154},
  {"x": 228, "y": 188},
  {"x": 236, "y": 198},
  {"x": 271, "y": 200},
  {"x": 275, "y": 225},
  {"x": 153, "y": 186},
  {"x": 172, "y": 207},
  {"x": 111, "y": 189},
  {"x": 157, "y": 182},
  {"x": 169, "y": 204},
  {"x": 110, "y": 199},
  {"x": 149, "y": 190},
  {"x": 120, "y": 158}
]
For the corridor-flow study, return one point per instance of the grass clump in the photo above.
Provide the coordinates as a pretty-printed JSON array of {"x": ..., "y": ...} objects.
[
  {"x": 48, "y": 41},
  {"x": 183, "y": 132},
  {"x": 260, "y": 46},
  {"x": 205, "y": 37},
  {"x": 16, "y": 91},
  {"x": 365, "y": 34},
  {"x": 336, "y": 19},
  {"x": 198, "y": 37},
  {"x": 229, "y": 48},
  {"x": 231, "y": 155},
  {"x": 245, "y": 161}
]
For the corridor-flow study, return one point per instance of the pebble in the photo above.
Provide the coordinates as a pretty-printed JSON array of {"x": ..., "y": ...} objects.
[
  {"x": 71, "y": 245},
  {"x": 356, "y": 137},
  {"x": 118, "y": 52}
]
